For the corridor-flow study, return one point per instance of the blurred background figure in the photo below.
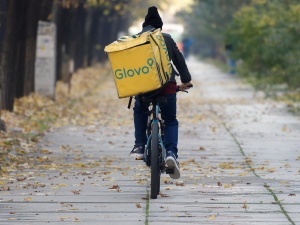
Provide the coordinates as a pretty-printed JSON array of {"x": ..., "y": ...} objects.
[
  {"x": 186, "y": 46},
  {"x": 231, "y": 61}
]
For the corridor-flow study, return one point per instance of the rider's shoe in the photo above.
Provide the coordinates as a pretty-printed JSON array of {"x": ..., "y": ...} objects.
[
  {"x": 172, "y": 163},
  {"x": 138, "y": 152}
]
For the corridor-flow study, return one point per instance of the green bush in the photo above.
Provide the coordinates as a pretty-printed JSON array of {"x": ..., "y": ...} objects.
[{"x": 265, "y": 36}]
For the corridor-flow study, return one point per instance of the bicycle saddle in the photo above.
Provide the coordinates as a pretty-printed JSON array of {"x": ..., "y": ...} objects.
[{"x": 155, "y": 99}]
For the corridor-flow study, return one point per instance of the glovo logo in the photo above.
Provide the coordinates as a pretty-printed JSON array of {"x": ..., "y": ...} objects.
[
  {"x": 165, "y": 51},
  {"x": 125, "y": 73},
  {"x": 164, "y": 46}
]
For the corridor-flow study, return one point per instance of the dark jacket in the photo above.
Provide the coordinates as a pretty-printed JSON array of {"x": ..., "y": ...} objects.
[{"x": 176, "y": 57}]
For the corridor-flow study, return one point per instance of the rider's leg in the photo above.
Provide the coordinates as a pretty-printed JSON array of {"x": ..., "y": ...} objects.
[
  {"x": 168, "y": 112},
  {"x": 140, "y": 117}
]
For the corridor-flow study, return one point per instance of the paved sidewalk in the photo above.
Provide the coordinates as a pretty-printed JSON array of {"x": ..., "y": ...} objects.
[{"x": 239, "y": 157}]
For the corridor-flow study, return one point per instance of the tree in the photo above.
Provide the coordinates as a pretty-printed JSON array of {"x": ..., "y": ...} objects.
[
  {"x": 84, "y": 28},
  {"x": 18, "y": 53},
  {"x": 266, "y": 37},
  {"x": 11, "y": 51},
  {"x": 26, "y": 54},
  {"x": 206, "y": 23},
  {"x": 3, "y": 12}
]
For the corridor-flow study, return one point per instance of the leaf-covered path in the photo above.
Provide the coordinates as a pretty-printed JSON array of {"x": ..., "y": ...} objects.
[{"x": 239, "y": 158}]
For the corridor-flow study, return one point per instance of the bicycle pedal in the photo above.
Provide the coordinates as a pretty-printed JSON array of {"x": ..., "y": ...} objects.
[
  {"x": 139, "y": 158},
  {"x": 169, "y": 170}
]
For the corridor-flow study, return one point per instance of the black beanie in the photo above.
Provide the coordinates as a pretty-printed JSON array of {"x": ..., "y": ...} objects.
[{"x": 153, "y": 18}]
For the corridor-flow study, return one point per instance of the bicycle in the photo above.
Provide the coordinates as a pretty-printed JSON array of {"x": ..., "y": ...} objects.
[{"x": 155, "y": 152}]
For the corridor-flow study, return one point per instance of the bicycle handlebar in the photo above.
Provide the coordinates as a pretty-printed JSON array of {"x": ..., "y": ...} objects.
[{"x": 189, "y": 86}]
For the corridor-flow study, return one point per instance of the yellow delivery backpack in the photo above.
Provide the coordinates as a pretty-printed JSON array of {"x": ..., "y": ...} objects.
[{"x": 140, "y": 64}]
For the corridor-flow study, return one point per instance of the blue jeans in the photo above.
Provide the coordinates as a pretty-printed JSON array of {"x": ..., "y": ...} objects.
[{"x": 168, "y": 113}]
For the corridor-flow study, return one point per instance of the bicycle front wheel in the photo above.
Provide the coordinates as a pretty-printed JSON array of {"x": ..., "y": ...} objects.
[{"x": 155, "y": 171}]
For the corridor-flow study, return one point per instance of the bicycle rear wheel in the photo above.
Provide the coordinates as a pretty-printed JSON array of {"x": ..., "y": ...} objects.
[{"x": 155, "y": 171}]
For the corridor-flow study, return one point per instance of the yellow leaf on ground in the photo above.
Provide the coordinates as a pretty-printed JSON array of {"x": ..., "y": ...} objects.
[
  {"x": 244, "y": 206},
  {"x": 45, "y": 151},
  {"x": 28, "y": 199},
  {"x": 271, "y": 170},
  {"x": 226, "y": 165},
  {"x": 211, "y": 217},
  {"x": 227, "y": 185},
  {"x": 163, "y": 195}
]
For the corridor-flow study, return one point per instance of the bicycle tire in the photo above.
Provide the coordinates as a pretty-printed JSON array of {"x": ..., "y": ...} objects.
[{"x": 155, "y": 170}]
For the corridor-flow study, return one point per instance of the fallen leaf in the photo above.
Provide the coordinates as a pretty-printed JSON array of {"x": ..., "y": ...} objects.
[
  {"x": 260, "y": 168},
  {"x": 45, "y": 151},
  {"x": 284, "y": 129},
  {"x": 106, "y": 172},
  {"x": 4, "y": 188},
  {"x": 271, "y": 170},
  {"x": 243, "y": 174},
  {"x": 76, "y": 220},
  {"x": 163, "y": 195},
  {"x": 227, "y": 185},
  {"x": 21, "y": 178},
  {"x": 179, "y": 183},
  {"x": 248, "y": 160},
  {"x": 284, "y": 182},
  {"x": 114, "y": 187},
  {"x": 226, "y": 165},
  {"x": 28, "y": 199},
  {"x": 76, "y": 192},
  {"x": 211, "y": 217},
  {"x": 213, "y": 129},
  {"x": 86, "y": 173}
]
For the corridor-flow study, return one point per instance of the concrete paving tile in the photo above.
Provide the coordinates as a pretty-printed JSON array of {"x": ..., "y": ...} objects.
[{"x": 238, "y": 154}]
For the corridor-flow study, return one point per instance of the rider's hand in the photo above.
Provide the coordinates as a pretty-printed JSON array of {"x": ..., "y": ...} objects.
[{"x": 185, "y": 86}]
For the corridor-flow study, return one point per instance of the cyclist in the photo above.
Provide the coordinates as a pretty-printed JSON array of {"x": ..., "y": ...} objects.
[{"x": 168, "y": 110}]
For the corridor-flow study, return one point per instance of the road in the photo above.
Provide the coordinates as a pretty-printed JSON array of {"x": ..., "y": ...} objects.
[{"x": 239, "y": 157}]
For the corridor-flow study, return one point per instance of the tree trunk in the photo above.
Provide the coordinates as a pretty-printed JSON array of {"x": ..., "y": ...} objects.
[
  {"x": 28, "y": 48},
  {"x": 11, "y": 49},
  {"x": 3, "y": 15},
  {"x": 58, "y": 20},
  {"x": 92, "y": 34},
  {"x": 79, "y": 33}
]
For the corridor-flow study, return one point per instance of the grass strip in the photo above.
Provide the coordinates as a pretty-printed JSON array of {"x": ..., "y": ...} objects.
[
  {"x": 253, "y": 171},
  {"x": 147, "y": 207}
]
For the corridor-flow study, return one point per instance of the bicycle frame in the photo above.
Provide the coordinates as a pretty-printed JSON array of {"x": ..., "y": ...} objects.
[
  {"x": 154, "y": 117},
  {"x": 155, "y": 152}
]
